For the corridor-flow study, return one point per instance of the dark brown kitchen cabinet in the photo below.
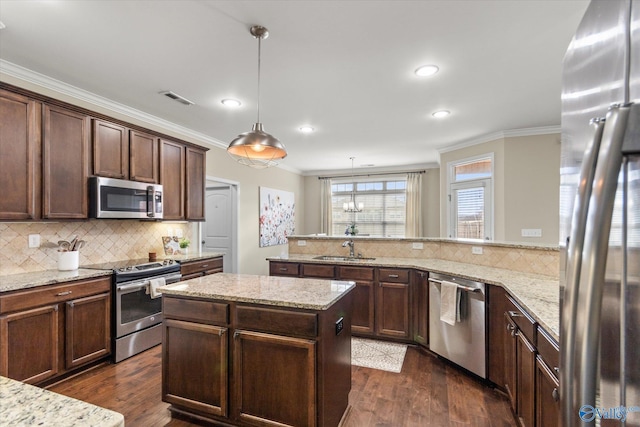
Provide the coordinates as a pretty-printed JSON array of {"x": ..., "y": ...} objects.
[
  {"x": 195, "y": 161},
  {"x": 110, "y": 149},
  {"x": 499, "y": 339},
  {"x": 320, "y": 271},
  {"x": 172, "y": 170},
  {"x": 421, "y": 307},
  {"x": 363, "y": 320},
  {"x": 49, "y": 331},
  {"x": 65, "y": 163},
  {"x": 510, "y": 362},
  {"x": 20, "y": 151},
  {"x": 392, "y": 303},
  {"x": 192, "y": 269},
  {"x": 144, "y": 160},
  {"x": 284, "y": 268},
  {"x": 547, "y": 384},
  {"x": 525, "y": 380}
]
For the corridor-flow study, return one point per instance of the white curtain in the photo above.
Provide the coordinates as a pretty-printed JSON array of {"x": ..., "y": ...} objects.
[
  {"x": 413, "y": 225},
  {"x": 326, "y": 222}
]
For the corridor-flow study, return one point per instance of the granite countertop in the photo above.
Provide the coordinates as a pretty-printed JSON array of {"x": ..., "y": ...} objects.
[
  {"x": 312, "y": 294},
  {"x": 539, "y": 295},
  {"x": 14, "y": 282},
  {"x": 26, "y": 405}
]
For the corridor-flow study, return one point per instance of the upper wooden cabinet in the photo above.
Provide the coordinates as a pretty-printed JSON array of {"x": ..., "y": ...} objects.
[
  {"x": 143, "y": 157},
  {"x": 195, "y": 179},
  {"x": 172, "y": 167},
  {"x": 20, "y": 144},
  {"x": 110, "y": 150},
  {"x": 65, "y": 159}
]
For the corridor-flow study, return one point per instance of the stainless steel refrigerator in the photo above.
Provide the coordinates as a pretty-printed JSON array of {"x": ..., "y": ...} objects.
[{"x": 600, "y": 219}]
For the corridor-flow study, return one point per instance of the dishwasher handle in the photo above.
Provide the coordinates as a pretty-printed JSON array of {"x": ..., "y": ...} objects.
[{"x": 461, "y": 287}]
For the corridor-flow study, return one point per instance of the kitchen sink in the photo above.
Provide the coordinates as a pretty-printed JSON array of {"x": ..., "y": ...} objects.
[{"x": 342, "y": 258}]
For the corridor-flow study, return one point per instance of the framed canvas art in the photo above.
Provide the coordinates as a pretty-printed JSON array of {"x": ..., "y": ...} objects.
[{"x": 277, "y": 216}]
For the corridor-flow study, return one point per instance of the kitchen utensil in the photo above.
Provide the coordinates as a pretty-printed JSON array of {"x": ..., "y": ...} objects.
[
  {"x": 64, "y": 245},
  {"x": 78, "y": 244}
]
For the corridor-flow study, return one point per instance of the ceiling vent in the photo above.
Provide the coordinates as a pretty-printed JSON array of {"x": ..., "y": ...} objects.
[{"x": 176, "y": 97}]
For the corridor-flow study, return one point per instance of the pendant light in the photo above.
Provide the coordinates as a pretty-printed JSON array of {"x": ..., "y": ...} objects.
[
  {"x": 257, "y": 148},
  {"x": 351, "y": 206}
]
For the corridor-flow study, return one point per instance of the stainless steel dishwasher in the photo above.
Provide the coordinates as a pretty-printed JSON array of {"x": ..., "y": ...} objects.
[{"x": 464, "y": 342}]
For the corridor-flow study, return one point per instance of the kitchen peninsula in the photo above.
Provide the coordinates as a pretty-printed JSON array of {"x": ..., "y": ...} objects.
[{"x": 245, "y": 350}]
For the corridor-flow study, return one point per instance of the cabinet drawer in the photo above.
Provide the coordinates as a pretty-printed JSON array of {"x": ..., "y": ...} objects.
[
  {"x": 284, "y": 268},
  {"x": 52, "y": 294},
  {"x": 201, "y": 266},
  {"x": 318, "y": 270},
  {"x": 393, "y": 275},
  {"x": 549, "y": 349},
  {"x": 284, "y": 322},
  {"x": 355, "y": 273},
  {"x": 522, "y": 319},
  {"x": 195, "y": 310}
]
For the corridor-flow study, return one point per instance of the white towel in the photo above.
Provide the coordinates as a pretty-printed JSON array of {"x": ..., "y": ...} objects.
[
  {"x": 154, "y": 284},
  {"x": 449, "y": 303}
]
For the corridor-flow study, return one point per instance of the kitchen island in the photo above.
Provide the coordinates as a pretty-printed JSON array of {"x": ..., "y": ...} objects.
[{"x": 258, "y": 350}]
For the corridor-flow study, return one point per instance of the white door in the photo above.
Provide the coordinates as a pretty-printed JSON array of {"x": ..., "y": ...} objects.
[{"x": 218, "y": 233}]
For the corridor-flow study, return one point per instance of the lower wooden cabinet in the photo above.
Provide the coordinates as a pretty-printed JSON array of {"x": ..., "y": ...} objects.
[
  {"x": 420, "y": 308},
  {"x": 203, "y": 267},
  {"x": 363, "y": 321},
  {"x": 525, "y": 380},
  {"x": 48, "y": 331},
  {"x": 392, "y": 310}
]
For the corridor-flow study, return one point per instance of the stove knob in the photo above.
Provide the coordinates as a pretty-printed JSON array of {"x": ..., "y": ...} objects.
[
  {"x": 165, "y": 262},
  {"x": 130, "y": 267},
  {"x": 121, "y": 269},
  {"x": 170, "y": 261}
]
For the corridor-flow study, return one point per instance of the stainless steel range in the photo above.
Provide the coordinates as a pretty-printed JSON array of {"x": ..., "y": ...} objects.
[{"x": 136, "y": 315}]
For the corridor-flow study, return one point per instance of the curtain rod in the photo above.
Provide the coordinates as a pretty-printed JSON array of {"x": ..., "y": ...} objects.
[{"x": 372, "y": 174}]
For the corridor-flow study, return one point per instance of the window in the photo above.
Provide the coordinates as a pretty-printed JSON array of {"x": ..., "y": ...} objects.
[
  {"x": 470, "y": 198},
  {"x": 384, "y": 210}
]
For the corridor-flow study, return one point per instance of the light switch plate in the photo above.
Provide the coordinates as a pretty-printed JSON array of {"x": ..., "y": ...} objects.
[
  {"x": 531, "y": 232},
  {"x": 417, "y": 245},
  {"x": 302, "y": 243},
  {"x": 34, "y": 240},
  {"x": 476, "y": 250}
]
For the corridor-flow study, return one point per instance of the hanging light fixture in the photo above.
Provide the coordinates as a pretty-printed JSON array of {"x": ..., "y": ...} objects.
[
  {"x": 351, "y": 205},
  {"x": 257, "y": 148}
]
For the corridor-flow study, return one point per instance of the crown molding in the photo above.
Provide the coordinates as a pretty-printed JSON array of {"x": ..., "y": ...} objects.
[{"x": 510, "y": 133}]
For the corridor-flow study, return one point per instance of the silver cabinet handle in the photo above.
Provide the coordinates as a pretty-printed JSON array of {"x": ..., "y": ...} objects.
[
  {"x": 61, "y": 294},
  {"x": 555, "y": 394},
  {"x": 514, "y": 313},
  {"x": 592, "y": 274},
  {"x": 393, "y": 276},
  {"x": 283, "y": 269},
  {"x": 205, "y": 266}
]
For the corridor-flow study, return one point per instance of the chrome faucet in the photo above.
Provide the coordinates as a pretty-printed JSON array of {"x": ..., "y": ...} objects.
[{"x": 351, "y": 247}]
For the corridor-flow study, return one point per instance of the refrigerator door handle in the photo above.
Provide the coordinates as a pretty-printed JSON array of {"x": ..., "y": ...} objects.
[
  {"x": 574, "y": 263},
  {"x": 594, "y": 259}
]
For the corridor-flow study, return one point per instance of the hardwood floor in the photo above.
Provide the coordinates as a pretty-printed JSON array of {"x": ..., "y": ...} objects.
[{"x": 428, "y": 392}]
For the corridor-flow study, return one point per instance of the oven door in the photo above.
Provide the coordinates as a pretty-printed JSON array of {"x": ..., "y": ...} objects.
[{"x": 135, "y": 309}]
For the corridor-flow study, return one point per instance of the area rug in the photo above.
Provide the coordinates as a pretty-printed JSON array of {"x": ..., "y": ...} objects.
[{"x": 386, "y": 356}]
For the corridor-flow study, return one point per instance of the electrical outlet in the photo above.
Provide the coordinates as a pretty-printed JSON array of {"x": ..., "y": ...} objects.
[
  {"x": 302, "y": 243},
  {"x": 531, "y": 232},
  {"x": 417, "y": 245},
  {"x": 34, "y": 240},
  {"x": 476, "y": 250}
]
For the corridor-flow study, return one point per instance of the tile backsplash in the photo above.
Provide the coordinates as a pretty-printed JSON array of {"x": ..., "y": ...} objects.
[{"x": 107, "y": 240}]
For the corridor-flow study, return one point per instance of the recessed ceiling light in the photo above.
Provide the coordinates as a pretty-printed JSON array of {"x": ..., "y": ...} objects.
[
  {"x": 441, "y": 114},
  {"x": 306, "y": 129},
  {"x": 426, "y": 70},
  {"x": 231, "y": 103}
]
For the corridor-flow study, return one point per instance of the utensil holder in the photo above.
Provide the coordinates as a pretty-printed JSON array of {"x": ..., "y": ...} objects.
[{"x": 68, "y": 260}]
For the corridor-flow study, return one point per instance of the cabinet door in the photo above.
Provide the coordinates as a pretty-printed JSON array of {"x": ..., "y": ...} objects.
[
  {"x": 547, "y": 396},
  {"x": 526, "y": 380},
  {"x": 19, "y": 156},
  {"x": 30, "y": 337},
  {"x": 498, "y": 337},
  {"x": 363, "y": 308},
  {"x": 274, "y": 380},
  {"x": 195, "y": 177},
  {"x": 66, "y": 143},
  {"x": 110, "y": 150},
  {"x": 197, "y": 380},
  {"x": 392, "y": 310},
  {"x": 283, "y": 268},
  {"x": 421, "y": 308},
  {"x": 510, "y": 363},
  {"x": 172, "y": 164},
  {"x": 143, "y": 157},
  {"x": 88, "y": 329}
]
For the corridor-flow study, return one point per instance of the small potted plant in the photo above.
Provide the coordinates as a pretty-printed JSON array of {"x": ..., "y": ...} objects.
[{"x": 184, "y": 246}]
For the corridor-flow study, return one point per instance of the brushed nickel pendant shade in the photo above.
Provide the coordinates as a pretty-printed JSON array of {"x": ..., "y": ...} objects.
[{"x": 257, "y": 148}]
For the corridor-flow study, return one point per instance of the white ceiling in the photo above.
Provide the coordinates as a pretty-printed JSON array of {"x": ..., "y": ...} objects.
[{"x": 344, "y": 67}]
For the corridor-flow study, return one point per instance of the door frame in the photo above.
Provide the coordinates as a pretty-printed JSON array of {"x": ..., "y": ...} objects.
[{"x": 234, "y": 187}]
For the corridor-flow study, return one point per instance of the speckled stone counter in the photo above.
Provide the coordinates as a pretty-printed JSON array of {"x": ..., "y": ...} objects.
[
  {"x": 14, "y": 282},
  {"x": 25, "y": 405},
  {"x": 537, "y": 294},
  {"x": 312, "y": 294},
  {"x": 195, "y": 256}
]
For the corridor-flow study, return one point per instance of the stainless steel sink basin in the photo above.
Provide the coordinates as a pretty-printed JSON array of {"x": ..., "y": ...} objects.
[{"x": 341, "y": 258}]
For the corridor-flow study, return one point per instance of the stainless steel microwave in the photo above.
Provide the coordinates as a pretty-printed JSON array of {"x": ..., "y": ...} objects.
[{"x": 121, "y": 199}]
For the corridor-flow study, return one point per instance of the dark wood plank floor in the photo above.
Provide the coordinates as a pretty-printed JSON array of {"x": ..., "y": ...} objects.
[{"x": 428, "y": 392}]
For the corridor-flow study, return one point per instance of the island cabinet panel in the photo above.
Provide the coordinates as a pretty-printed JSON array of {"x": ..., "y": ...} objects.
[
  {"x": 143, "y": 157},
  {"x": 19, "y": 156},
  {"x": 288, "y": 322},
  {"x": 364, "y": 306},
  {"x": 172, "y": 173},
  {"x": 421, "y": 308},
  {"x": 196, "y": 379},
  {"x": 192, "y": 269},
  {"x": 65, "y": 164},
  {"x": 284, "y": 368},
  {"x": 88, "y": 329},
  {"x": 214, "y": 313},
  {"x": 110, "y": 150}
]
